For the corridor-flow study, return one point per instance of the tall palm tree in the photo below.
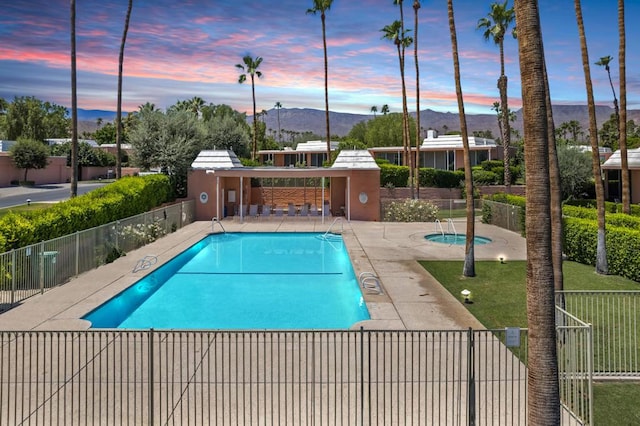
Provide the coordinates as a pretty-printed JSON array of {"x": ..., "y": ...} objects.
[
  {"x": 604, "y": 61},
  {"x": 394, "y": 33},
  {"x": 468, "y": 269},
  {"x": 385, "y": 109},
  {"x": 278, "y": 106},
  {"x": 195, "y": 105},
  {"x": 543, "y": 402},
  {"x": 250, "y": 67},
  {"x": 496, "y": 25},
  {"x": 322, "y": 6},
  {"x": 74, "y": 106},
  {"x": 416, "y": 7},
  {"x": 374, "y": 109},
  {"x": 119, "y": 107},
  {"x": 601, "y": 250},
  {"x": 622, "y": 127}
]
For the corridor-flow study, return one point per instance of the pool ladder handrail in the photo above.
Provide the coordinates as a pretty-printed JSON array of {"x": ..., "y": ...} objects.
[
  {"x": 370, "y": 283},
  {"x": 337, "y": 219},
  {"x": 450, "y": 227},
  {"x": 215, "y": 220},
  {"x": 438, "y": 224}
]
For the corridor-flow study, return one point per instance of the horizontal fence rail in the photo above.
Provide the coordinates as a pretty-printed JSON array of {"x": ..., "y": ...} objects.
[
  {"x": 361, "y": 377},
  {"x": 615, "y": 319},
  {"x": 37, "y": 268}
]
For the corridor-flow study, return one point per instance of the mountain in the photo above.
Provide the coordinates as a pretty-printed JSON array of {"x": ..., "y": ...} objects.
[
  {"x": 304, "y": 119},
  {"x": 94, "y": 114}
]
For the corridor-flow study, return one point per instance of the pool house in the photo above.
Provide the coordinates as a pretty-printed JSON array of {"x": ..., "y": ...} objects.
[{"x": 223, "y": 187}]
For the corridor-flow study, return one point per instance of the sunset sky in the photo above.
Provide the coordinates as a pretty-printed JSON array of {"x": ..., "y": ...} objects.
[{"x": 179, "y": 49}]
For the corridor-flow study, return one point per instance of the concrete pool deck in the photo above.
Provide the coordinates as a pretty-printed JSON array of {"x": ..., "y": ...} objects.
[{"x": 412, "y": 299}]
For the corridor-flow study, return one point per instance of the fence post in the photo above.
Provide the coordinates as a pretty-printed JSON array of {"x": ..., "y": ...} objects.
[
  {"x": 41, "y": 263},
  {"x": 13, "y": 276},
  {"x": 77, "y": 253},
  {"x": 151, "y": 361},
  {"x": 471, "y": 389},
  {"x": 362, "y": 375}
]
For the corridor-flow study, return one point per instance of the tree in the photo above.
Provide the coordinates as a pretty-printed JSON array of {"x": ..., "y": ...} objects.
[
  {"x": 31, "y": 118},
  {"x": 359, "y": 130},
  {"x": 468, "y": 269},
  {"x": 543, "y": 400},
  {"x": 29, "y": 154},
  {"x": 575, "y": 171},
  {"x": 278, "y": 107},
  {"x": 601, "y": 250},
  {"x": 74, "y": 106},
  {"x": 106, "y": 134},
  {"x": 416, "y": 7},
  {"x": 385, "y": 109},
  {"x": 251, "y": 67},
  {"x": 396, "y": 35},
  {"x": 496, "y": 24},
  {"x": 119, "y": 106},
  {"x": 386, "y": 130},
  {"x": 604, "y": 62},
  {"x": 622, "y": 126},
  {"x": 374, "y": 110},
  {"x": 322, "y": 6}
]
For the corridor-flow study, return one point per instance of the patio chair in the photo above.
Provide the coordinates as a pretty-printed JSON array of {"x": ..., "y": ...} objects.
[
  {"x": 325, "y": 210},
  {"x": 314, "y": 210},
  {"x": 253, "y": 211},
  {"x": 266, "y": 210},
  {"x": 304, "y": 210},
  {"x": 278, "y": 212},
  {"x": 291, "y": 210}
]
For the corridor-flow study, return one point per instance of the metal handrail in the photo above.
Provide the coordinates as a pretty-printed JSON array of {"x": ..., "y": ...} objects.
[
  {"x": 337, "y": 219},
  {"x": 438, "y": 224},
  {"x": 450, "y": 223},
  {"x": 213, "y": 223}
]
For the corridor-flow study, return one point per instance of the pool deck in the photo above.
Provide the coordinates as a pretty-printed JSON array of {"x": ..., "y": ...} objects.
[{"x": 412, "y": 299}]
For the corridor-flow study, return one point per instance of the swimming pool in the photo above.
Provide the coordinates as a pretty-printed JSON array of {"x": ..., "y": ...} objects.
[
  {"x": 244, "y": 281},
  {"x": 456, "y": 239}
]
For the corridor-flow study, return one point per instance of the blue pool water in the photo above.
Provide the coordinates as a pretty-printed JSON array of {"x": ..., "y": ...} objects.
[
  {"x": 456, "y": 239},
  {"x": 244, "y": 281}
]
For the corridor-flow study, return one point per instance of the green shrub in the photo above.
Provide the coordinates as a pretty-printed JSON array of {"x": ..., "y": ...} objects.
[
  {"x": 489, "y": 165},
  {"x": 398, "y": 176},
  {"x": 124, "y": 198},
  {"x": 427, "y": 177},
  {"x": 483, "y": 177},
  {"x": 448, "y": 179},
  {"x": 411, "y": 211}
]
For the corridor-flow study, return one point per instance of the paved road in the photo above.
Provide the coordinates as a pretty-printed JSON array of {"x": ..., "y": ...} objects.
[{"x": 15, "y": 196}]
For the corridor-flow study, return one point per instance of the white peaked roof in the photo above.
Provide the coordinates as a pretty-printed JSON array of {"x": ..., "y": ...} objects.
[
  {"x": 633, "y": 158},
  {"x": 358, "y": 159},
  {"x": 455, "y": 141},
  {"x": 216, "y": 160},
  {"x": 315, "y": 146}
]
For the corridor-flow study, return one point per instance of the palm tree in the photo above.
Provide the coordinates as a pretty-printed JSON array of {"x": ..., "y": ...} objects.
[
  {"x": 74, "y": 106},
  {"x": 601, "y": 250},
  {"x": 543, "y": 403},
  {"x": 604, "y": 62},
  {"x": 496, "y": 25},
  {"x": 322, "y": 6},
  {"x": 416, "y": 7},
  {"x": 278, "y": 106},
  {"x": 251, "y": 67},
  {"x": 195, "y": 105},
  {"x": 385, "y": 109},
  {"x": 394, "y": 33},
  {"x": 374, "y": 109},
  {"x": 468, "y": 269},
  {"x": 622, "y": 126},
  {"x": 119, "y": 107}
]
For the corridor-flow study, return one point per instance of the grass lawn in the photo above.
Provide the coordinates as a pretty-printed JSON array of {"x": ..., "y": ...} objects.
[
  {"x": 499, "y": 300},
  {"x": 24, "y": 208}
]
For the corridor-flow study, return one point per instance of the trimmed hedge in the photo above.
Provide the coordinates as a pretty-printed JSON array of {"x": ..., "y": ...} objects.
[
  {"x": 612, "y": 219},
  {"x": 610, "y": 207},
  {"x": 623, "y": 246},
  {"x": 398, "y": 176},
  {"x": 124, "y": 198}
]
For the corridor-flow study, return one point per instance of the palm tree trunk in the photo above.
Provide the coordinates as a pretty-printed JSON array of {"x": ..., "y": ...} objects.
[
  {"x": 416, "y": 6},
  {"x": 505, "y": 128},
  {"x": 74, "y": 106},
  {"x": 601, "y": 251},
  {"x": 468, "y": 269},
  {"x": 254, "y": 149},
  {"x": 119, "y": 107},
  {"x": 622, "y": 134},
  {"x": 544, "y": 396},
  {"x": 326, "y": 85},
  {"x": 556, "y": 193}
]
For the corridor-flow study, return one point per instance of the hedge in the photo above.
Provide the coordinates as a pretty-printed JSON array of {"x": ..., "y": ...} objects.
[
  {"x": 124, "y": 198},
  {"x": 623, "y": 246},
  {"x": 398, "y": 177},
  {"x": 609, "y": 206},
  {"x": 612, "y": 219}
]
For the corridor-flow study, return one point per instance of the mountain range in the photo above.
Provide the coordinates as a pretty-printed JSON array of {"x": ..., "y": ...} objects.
[{"x": 313, "y": 120}]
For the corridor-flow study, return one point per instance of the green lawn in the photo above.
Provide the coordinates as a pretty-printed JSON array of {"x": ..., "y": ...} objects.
[
  {"x": 24, "y": 208},
  {"x": 499, "y": 300}
]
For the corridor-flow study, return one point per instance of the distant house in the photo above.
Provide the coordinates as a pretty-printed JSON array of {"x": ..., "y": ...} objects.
[
  {"x": 311, "y": 153},
  {"x": 605, "y": 152},
  {"x": 613, "y": 169},
  {"x": 62, "y": 141}
]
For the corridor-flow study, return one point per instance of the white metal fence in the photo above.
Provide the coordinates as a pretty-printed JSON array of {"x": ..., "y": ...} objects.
[{"x": 36, "y": 268}]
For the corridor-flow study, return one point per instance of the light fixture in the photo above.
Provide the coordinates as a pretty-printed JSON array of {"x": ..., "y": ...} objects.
[{"x": 466, "y": 295}]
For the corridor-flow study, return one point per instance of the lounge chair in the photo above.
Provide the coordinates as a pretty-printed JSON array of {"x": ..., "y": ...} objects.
[
  {"x": 304, "y": 210},
  {"x": 266, "y": 210},
  {"x": 314, "y": 210},
  {"x": 326, "y": 211},
  {"x": 278, "y": 212},
  {"x": 253, "y": 211},
  {"x": 292, "y": 210}
]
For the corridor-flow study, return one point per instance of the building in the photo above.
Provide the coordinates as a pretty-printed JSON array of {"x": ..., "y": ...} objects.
[
  {"x": 613, "y": 175},
  {"x": 311, "y": 153},
  {"x": 224, "y": 187}
]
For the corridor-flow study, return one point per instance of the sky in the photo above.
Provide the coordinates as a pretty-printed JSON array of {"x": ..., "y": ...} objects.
[{"x": 176, "y": 50}]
